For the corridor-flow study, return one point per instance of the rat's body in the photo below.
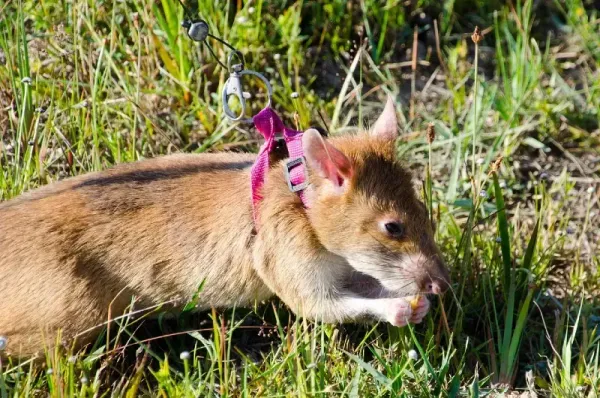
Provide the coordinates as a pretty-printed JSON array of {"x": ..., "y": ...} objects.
[
  {"x": 76, "y": 252},
  {"x": 143, "y": 229}
]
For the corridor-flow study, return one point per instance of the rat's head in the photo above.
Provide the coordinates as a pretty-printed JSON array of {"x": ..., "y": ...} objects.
[{"x": 364, "y": 208}]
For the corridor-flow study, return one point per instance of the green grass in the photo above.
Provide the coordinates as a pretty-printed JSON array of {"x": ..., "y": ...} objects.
[{"x": 510, "y": 179}]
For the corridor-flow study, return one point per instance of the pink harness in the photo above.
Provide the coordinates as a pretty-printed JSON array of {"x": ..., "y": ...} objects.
[{"x": 269, "y": 124}]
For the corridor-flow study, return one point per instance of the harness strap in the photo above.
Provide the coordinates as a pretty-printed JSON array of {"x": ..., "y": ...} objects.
[{"x": 269, "y": 124}]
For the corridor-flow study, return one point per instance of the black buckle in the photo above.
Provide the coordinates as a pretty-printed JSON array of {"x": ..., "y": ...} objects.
[{"x": 288, "y": 166}]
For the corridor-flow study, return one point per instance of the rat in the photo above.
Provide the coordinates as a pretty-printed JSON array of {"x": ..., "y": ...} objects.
[{"x": 75, "y": 253}]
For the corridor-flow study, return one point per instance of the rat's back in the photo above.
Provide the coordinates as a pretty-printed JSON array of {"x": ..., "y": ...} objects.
[{"x": 153, "y": 230}]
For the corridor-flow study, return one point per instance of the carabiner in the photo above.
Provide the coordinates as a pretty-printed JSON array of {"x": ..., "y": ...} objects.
[{"x": 233, "y": 86}]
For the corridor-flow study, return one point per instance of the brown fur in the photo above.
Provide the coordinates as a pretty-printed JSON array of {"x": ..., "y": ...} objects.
[{"x": 155, "y": 229}]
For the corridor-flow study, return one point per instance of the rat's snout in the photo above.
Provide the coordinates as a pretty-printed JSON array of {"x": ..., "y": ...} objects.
[{"x": 436, "y": 280}]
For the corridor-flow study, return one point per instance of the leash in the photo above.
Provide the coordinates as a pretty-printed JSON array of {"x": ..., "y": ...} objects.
[{"x": 267, "y": 122}]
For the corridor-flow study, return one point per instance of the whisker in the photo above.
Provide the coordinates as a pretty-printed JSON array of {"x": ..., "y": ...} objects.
[{"x": 395, "y": 271}]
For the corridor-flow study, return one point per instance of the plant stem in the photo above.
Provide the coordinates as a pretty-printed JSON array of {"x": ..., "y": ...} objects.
[{"x": 475, "y": 114}]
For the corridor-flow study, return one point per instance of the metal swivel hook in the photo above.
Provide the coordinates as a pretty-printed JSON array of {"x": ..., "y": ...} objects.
[
  {"x": 198, "y": 31},
  {"x": 233, "y": 86}
]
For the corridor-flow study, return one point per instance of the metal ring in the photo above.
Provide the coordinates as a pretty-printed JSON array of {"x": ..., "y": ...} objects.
[
  {"x": 265, "y": 81},
  {"x": 239, "y": 56}
]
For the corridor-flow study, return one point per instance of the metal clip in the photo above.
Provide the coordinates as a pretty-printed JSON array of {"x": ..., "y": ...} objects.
[
  {"x": 233, "y": 86},
  {"x": 288, "y": 166}
]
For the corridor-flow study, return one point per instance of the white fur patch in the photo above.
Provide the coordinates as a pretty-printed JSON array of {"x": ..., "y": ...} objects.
[{"x": 393, "y": 278}]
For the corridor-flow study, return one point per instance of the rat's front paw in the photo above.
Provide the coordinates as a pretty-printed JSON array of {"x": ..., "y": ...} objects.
[
  {"x": 399, "y": 312},
  {"x": 420, "y": 307}
]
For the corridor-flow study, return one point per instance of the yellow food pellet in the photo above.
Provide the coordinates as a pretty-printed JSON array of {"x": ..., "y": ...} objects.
[{"x": 414, "y": 302}]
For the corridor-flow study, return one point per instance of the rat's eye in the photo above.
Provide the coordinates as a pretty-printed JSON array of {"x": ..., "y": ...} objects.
[{"x": 395, "y": 229}]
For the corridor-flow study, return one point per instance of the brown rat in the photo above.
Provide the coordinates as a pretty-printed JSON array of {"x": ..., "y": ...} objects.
[{"x": 75, "y": 252}]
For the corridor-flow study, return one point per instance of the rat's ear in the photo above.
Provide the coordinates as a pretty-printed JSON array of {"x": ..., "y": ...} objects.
[
  {"x": 386, "y": 125},
  {"x": 325, "y": 159}
]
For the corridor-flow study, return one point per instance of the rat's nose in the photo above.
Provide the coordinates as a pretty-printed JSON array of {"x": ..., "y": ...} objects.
[
  {"x": 436, "y": 287},
  {"x": 437, "y": 280}
]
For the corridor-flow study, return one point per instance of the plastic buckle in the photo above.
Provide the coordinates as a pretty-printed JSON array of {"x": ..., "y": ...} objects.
[{"x": 288, "y": 166}]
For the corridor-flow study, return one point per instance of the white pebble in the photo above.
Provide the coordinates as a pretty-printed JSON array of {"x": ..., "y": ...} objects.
[
  {"x": 295, "y": 95},
  {"x": 184, "y": 356}
]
